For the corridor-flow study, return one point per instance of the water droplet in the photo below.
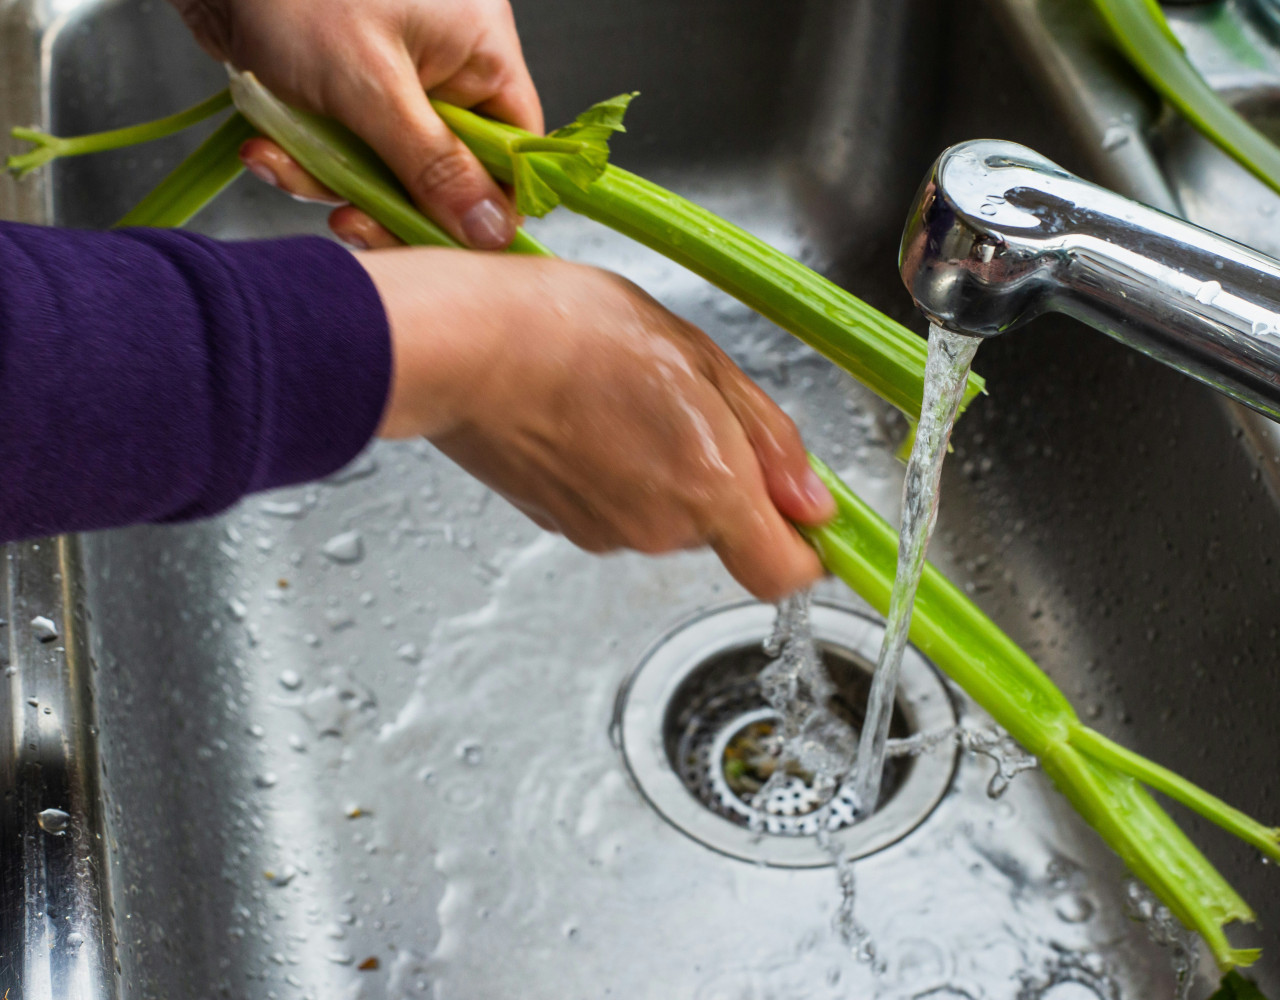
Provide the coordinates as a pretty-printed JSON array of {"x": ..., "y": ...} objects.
[
  {"x": 283, "y": 877},
  {"x": 283, "y": 508},
  {"x": 1267, "y": 327},
  {"x": 338, "y": 619},
  {"x": 1115, "y": 137},
  {"x": 364, "y": 466},
  {"x": 237, "y": 609},
  {"x": 340, "y": 958},
  {"x": 75, "y": 940},
  {"x": 470, "y": 752},
  {"x": 54, "y": 821},
  {"x": 1074, "y": 909},
  {"x": 347, "y": 547},
  {"x": 290, "y": 680},
  {"x": 409, "y": 652},
  {"x": 44, "y": 629},
  {"x": 1209, "y": 291},
  {"x": 267, "y": 779}
]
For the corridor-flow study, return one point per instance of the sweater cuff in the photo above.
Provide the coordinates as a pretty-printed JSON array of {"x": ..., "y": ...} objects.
[{"x": 325, "y": 351}]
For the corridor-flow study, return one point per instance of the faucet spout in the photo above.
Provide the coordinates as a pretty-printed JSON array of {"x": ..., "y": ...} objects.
[{"x": 999, "y": 235}]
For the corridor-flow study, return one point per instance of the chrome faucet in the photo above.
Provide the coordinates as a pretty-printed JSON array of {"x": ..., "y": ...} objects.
[{"x": 1000, "y": 235}]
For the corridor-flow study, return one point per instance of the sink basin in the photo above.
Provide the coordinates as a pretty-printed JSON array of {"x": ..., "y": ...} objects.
[{"x": 363, "y": 738}]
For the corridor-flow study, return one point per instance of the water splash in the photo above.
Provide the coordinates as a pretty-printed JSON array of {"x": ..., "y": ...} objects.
[
  {"x": 1166, "y": 931},
  {"x": 796, "y": 686},
  {"x": 946, "y": 373},
  {"x": 1010, "y": 759},
  {"x": 992, "y": 742},
  {"x": 852, "y": 933}
]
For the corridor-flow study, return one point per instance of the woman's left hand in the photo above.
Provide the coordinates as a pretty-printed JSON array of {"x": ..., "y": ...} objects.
[{"x": 371, "y": 64}]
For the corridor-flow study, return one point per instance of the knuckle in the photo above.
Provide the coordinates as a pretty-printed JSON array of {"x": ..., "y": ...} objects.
[
  {"x": 488, "y": 70},
  {"x": 444, "y": 170}
]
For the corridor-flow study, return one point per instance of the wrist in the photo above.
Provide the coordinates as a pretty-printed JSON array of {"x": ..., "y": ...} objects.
[{"x": 443, "y": 312}]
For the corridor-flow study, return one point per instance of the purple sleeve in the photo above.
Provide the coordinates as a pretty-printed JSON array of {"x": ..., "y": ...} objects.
[{"x": 155, "y": 375}]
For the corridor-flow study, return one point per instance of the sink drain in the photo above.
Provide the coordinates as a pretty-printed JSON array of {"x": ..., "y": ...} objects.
[{"x": 701, "y": 741}]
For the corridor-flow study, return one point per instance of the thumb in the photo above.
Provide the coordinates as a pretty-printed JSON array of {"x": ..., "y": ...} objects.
[{"x": 442, "y": 176}]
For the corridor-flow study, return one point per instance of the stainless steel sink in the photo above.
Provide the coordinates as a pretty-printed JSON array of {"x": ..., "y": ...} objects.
[{"x": 393, "y": 770}]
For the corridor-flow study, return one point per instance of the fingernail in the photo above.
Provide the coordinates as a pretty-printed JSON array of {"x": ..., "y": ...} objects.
[
  {"x": 487, "y": 226},
  {"x": 816, "y": 492},
  {"x": 262, "y": 172},
  {"x": 355, "y": 242}
]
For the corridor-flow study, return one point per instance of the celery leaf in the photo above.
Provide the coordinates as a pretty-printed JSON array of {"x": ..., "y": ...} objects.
[
  {"x": 1236, "y": 987},
  {"x": 533, "y": 195},
  {"x": 594, "y": 128},
  {"x": 581, "y": 150}
]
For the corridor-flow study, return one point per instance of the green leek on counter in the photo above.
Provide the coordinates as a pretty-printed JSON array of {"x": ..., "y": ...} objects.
[{"x": 1103, "y": 781}]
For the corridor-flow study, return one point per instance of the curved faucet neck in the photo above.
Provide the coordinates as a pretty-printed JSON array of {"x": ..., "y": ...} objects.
[{"x": 1000, "y": 235}]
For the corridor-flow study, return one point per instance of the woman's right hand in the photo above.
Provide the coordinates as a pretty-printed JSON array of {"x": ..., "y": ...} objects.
[{"x": 596, "y": 411}]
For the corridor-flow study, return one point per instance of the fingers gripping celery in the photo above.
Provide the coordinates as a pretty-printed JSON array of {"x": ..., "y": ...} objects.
[
  {"x": 344, "y": 164},
  {"x": 1103, "y": 781}
]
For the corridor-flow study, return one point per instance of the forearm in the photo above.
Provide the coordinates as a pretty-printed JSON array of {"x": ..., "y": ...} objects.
[{"x": 152, "y": 376}]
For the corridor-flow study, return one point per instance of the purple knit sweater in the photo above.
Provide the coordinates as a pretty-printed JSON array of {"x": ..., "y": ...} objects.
[{"x": 154, "y": 375}]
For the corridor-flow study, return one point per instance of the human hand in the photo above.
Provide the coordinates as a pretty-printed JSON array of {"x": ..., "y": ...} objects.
[
  {"x": 371, "y": 64},
  {"x": 595, "y": 411}
]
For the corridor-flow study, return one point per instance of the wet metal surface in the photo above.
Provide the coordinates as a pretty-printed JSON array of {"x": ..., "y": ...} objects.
[{"x": 355, "y": 736}]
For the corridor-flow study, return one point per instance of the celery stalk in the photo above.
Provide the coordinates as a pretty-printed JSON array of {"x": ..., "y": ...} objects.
[
  {"x": 877, "y": 351},
  {"x": 1139, "y": 29},
  {"x": 197, "y": 180},
  {"x": 873, "y": 348},
  {"x": 1266, "y": 839},
  {"x": 51, "y": 147}
]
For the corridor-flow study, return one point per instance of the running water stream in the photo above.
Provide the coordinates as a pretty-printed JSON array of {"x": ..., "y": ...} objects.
[{"x": 946, "y": 372}]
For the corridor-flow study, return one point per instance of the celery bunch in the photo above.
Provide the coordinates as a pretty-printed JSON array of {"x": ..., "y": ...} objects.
[{"x": 1106, "y": 783}]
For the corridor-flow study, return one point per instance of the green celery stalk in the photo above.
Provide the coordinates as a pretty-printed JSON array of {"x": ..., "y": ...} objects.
[
  {"x": 197, "y": 180},
  {"x": 1104, "y": 782},
  {"x": 873, "y": 348},
  {"x": 51, "y": 147},
  {"x": 882, "y": 354},
  {"x": 1139, "y": 29}
]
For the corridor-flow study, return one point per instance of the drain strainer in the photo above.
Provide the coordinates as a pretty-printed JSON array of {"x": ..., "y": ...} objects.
[{"x": 701, "y": 742}]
